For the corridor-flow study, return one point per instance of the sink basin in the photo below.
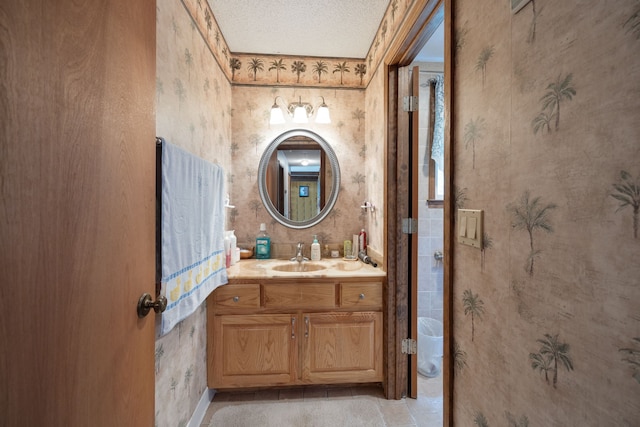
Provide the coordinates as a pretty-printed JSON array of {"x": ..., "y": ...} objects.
[
  {"x": 348, "y": 266},
  {"x": 295, "y": 267}
]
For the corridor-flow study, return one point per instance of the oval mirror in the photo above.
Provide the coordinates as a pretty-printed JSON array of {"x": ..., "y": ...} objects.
[{"x": 299, "y": 178}]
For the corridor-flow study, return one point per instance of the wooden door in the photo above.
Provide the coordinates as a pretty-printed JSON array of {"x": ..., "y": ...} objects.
[
  {"x": 303, "y": 204},
  {"x": 77, "y": 159},
  {"x": 342, "y": 347},
  {"x": 254, "y": 350}
]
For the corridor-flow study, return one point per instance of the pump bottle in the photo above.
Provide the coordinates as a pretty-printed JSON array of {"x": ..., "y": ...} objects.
[{"x": 315, "y": 249}]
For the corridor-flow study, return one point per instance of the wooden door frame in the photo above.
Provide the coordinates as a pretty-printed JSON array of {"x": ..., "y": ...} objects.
[{"x": 421, "y": 25}]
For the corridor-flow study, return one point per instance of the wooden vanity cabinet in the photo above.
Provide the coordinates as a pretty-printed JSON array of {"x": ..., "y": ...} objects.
[
  {"x": 253, "y": 350},
  {"x": 320, "y": 332},
  {"x": 342, "y": 347}
]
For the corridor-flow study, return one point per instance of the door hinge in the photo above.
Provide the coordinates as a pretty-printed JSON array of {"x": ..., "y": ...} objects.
[
  {"x": 409, "y": 346},
  {"x": 409, "y": 226},
  {"x": 410, "y": 103}
]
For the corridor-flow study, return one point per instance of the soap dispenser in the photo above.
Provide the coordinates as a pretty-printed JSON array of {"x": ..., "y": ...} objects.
[{"x": 315, "y": 249}]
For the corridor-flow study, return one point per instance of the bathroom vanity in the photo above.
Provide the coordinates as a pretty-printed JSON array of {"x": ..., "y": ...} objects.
[{"x": 279, "y": 323}]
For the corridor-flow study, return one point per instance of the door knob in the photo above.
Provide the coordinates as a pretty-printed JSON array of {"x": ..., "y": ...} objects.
[{"x": 146, "y": 303}]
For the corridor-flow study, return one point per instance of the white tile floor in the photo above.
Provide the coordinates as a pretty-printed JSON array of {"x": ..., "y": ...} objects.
[{"x": 425, "y": 411}]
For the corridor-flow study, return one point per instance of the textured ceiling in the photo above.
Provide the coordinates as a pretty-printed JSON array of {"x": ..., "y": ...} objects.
[{"x": 330, "y": 28}]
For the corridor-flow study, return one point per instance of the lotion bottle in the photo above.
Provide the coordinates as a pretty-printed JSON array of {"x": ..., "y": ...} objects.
[
  {"x": 315, "y": 249},
  {"x": 234, "y": 246},
  {"x": 227, "y": 249}
]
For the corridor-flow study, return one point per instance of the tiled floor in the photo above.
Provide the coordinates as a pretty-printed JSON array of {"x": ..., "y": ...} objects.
[{"x": 425, "y": 411}]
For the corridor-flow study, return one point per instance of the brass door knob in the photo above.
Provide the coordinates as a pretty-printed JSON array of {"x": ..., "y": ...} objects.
[{"x": 146, "y": 303}]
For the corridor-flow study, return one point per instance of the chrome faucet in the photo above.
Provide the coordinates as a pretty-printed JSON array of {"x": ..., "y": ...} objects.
[{"x": 299, "y": 257}]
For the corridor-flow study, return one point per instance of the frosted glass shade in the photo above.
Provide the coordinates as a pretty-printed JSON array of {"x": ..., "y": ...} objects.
[
  {"x": 322, "y": 116},
  {"x": 277, "y": 117},
  {"x": 300, "y": 115}
]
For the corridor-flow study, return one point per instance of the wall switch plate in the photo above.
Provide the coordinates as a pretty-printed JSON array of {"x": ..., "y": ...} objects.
[{"x": 469, "y": 227}]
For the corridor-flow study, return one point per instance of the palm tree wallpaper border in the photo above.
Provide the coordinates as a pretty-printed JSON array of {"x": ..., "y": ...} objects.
[{"x": 266, "y": 70}]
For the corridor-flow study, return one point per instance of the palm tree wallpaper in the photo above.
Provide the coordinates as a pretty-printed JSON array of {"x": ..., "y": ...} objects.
[
  {"x": 552, "y": 355},
  {"x": 554, "y": 165},
  {"x": 487, "y": 243},
  {"x": 459, "y": 359},
  {"x": 341, "y": 68},
  {"x": 474, "y": 131},
  {"x": 480, "y": 420},
  {"x": 361, "y": 71},
  {"x": 278, "y": 65},
  {"x": 298, "y": 67},
  {"x": 320, "y": 68},
  {"x": 557, "y": 92},
  {"x": 235, "y": 64},
  {"x": 474, "y": 306},
  {"x": 483, "y": 60},
  {"x": 530, "y": 214},
  {"x": 627, "y": 192},
  {"x": 252, "y": 133},
  {"x": 255, "y": 65}
]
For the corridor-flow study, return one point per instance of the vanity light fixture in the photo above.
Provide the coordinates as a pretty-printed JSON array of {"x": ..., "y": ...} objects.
[
  {"x": 322, "y": 116},
  {"x": 276, "y": 117},
  {"x": 300, "y": 112}
]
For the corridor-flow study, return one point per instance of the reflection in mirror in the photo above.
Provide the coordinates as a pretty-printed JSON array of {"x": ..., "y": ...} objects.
[{"x": 298, "y": 178}]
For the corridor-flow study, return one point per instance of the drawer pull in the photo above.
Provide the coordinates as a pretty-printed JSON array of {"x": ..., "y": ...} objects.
[
  {"x": 361, "y": 296},
  {"x": 236, "y": 299}
]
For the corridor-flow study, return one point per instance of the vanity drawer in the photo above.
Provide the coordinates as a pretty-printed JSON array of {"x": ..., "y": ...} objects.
[
  {"x": 237, "y": 296},
  {"x": 361, "y": 295},
  {"x": 294, "y": 296}
]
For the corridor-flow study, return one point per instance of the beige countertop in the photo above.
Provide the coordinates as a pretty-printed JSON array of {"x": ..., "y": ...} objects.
[{"x": 279, "y": 268}]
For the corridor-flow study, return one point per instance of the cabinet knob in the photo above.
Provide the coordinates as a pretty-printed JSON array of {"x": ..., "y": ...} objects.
[
  {"x": 236, "y": 299},
  {"x": 361, "y": 296}
]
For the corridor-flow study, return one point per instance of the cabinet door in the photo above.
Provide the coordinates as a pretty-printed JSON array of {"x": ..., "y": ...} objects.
[
  {"x": 253, "y": 350},
  {"x": 342, "y": 347}
]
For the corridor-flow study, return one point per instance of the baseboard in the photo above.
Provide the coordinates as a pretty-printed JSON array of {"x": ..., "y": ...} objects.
[{"x": 201, "y": 409}]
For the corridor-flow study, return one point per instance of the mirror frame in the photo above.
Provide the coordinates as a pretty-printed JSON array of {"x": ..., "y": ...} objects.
[{"x": 262, "y": 177}]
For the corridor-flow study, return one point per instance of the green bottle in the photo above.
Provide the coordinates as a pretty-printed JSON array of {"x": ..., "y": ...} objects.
[{"x": 263, "y": 243}]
